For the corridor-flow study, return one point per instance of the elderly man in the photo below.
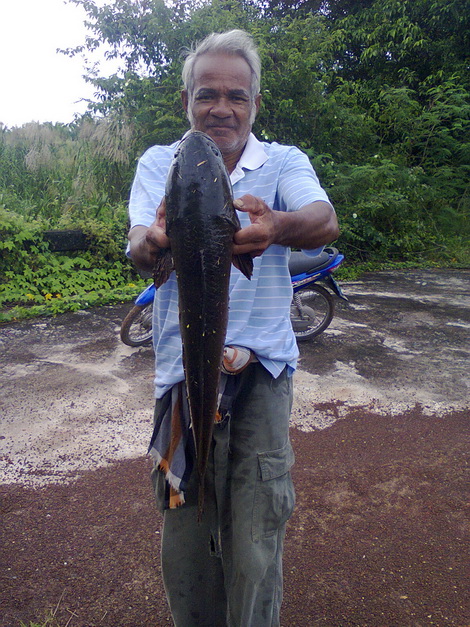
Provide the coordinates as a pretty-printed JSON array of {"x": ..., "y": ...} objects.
[{"x": 227, "y": 569}]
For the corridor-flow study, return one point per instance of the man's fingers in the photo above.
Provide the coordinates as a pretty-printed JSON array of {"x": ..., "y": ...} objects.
[
  {"x": 250, "y": 234},
  {"x": 246, "y": 249},
  {"x": 250, "y": 204},
  {"x": 257, "y": 236},
  {"x": 156, "y": 237}
]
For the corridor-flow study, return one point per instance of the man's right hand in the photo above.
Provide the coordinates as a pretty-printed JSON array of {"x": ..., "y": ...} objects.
[
  {"x": 156, "y": 233},
  {"x": 145, "y": 242}
]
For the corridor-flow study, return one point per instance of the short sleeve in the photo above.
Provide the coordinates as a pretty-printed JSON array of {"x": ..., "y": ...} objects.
[
  {"x": 148, "y": 187},
  {"x": 298, "y": 183}
]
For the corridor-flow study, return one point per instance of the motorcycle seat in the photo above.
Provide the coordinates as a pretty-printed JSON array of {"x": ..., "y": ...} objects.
[{"x": 300, "y": 263}]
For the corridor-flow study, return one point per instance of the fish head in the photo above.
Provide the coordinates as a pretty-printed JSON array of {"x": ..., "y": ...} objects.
[
  {"x": 199, "y": 150},
  {"x": 198, "y": 171}
]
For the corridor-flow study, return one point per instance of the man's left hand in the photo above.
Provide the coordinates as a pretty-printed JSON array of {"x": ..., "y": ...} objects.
[{"x": 254, "y": 239}]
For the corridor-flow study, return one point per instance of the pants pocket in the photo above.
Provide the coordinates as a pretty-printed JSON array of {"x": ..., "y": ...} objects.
[{"x": 274, "y": 492}]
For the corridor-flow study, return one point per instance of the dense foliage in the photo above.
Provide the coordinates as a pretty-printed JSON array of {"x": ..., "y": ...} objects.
[
  {"x": 375, "y": 92},
  {"x": 36, "y": 280}
]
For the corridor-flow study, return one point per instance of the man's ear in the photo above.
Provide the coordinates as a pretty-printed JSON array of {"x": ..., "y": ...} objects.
[{"x": 185, "y": 99}]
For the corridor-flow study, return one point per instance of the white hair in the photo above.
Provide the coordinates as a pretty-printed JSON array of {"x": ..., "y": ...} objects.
[{"x": 234, "y": 42}]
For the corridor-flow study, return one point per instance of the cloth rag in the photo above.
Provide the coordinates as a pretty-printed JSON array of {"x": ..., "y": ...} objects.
[{"x": 172, "y": 445}]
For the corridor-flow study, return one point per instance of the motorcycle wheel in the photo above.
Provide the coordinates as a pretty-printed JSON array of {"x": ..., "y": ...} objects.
[
  {"x": 136, "y": 328},
  {"x": 311, "y": 311}
]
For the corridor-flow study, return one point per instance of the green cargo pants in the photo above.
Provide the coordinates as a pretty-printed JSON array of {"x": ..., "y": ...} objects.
[{"x": 227, "y": 570}]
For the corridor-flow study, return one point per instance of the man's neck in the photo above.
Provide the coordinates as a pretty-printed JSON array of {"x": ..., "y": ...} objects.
[{"x": 231, "y": 161}]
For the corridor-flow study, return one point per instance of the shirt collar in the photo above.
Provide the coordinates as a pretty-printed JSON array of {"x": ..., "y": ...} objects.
[{"x": 252, "y": 158}]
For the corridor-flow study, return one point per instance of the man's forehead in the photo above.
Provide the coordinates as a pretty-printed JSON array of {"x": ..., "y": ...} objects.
[{"x": 213, "y": 66}]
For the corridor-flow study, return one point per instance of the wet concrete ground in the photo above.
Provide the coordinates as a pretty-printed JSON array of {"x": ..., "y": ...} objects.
[
  {"x": 73, "y": 396},
  {"x": 403, "y": 339},
  {"x": 380, "y": 430}
]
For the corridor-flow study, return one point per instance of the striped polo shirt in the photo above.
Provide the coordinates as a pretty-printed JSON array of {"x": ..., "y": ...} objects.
[{"x": 259, "y": 310}]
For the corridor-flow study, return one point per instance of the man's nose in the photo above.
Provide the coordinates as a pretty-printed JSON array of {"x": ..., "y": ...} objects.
[{"x": 222, "y": 108}]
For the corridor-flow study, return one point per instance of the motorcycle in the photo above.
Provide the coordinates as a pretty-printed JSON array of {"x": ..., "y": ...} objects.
[{"x": 312, "y": 307}]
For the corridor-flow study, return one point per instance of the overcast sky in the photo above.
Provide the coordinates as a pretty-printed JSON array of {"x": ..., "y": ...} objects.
[{"x": 36, "y": 82}]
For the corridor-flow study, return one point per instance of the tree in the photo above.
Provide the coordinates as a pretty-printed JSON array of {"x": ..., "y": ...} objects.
[{"x": 375, "y": 92}]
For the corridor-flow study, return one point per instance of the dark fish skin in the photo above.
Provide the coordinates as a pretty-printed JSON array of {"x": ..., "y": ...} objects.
[{"x": 200, "y": 224}]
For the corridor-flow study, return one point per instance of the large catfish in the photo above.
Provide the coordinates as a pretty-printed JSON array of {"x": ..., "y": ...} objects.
[{"x": 200, "y": 224}]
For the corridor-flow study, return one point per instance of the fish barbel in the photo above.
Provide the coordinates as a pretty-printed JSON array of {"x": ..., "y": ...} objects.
[{"x": 200, "y": 223}]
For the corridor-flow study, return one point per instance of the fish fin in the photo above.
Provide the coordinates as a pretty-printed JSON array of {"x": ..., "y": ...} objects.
[
  {"x": 244, "y": 263},
  {"x": 163, "y": 267}
]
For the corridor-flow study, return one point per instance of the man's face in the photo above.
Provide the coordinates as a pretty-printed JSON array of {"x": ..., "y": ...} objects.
[{"x": 221, "y": 104}]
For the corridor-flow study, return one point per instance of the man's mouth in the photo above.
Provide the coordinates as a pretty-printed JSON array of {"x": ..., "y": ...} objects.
[{"x": 220, "y": 127}]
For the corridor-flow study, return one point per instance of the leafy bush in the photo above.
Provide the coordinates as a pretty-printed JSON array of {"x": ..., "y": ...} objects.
[
  {"x": 37, "y": 281},
  {"x": 390, "y": 212}
]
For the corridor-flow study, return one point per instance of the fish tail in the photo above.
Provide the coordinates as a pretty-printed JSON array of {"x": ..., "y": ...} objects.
[{"x": 200, "y": 506}]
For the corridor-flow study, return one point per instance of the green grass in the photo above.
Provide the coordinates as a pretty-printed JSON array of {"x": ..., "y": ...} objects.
[
  {"x": 50, "y": 619},
  {"x": 53, "y": 304}
]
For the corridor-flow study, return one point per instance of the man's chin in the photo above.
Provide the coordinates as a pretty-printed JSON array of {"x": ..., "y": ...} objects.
[
  {"x": 225, "y": 134},
  {"x": 226, "y": 139},
  {"x": 224, "y": 143}
]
